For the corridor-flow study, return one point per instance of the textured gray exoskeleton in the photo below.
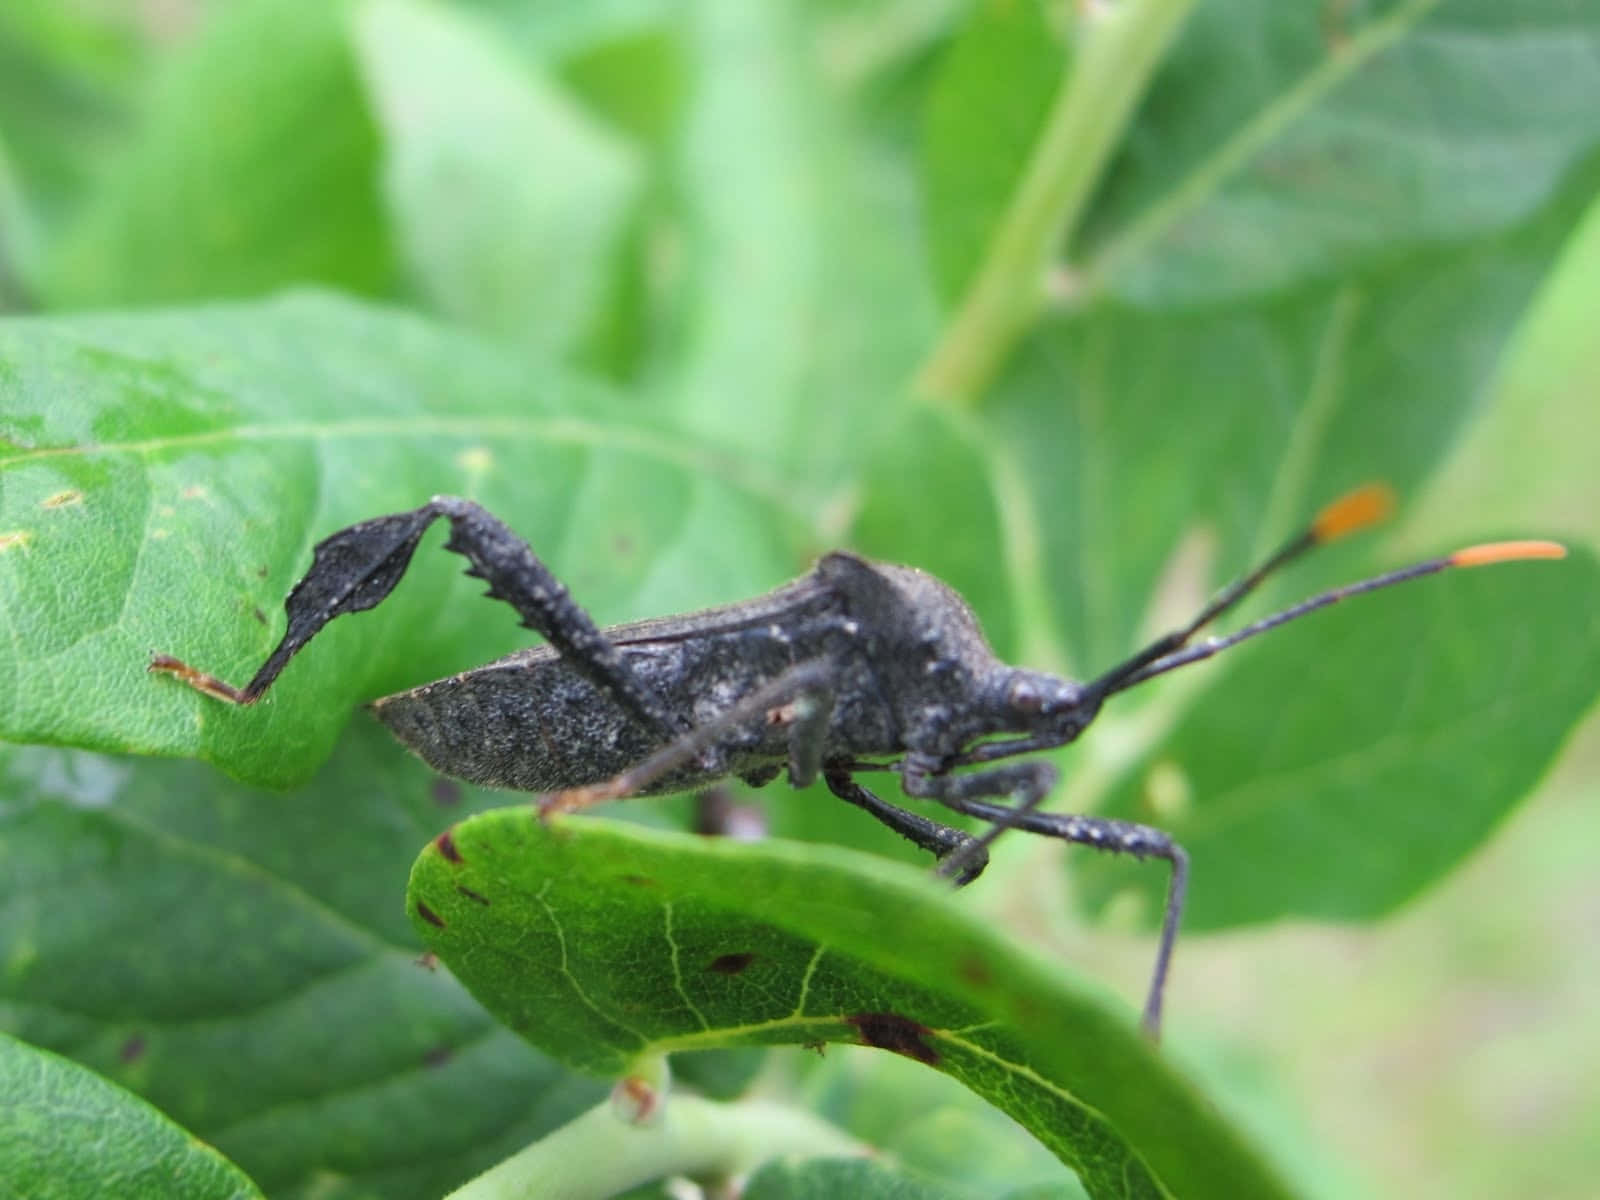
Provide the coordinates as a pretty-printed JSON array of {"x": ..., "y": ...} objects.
[{"x": 850, "y": 665}]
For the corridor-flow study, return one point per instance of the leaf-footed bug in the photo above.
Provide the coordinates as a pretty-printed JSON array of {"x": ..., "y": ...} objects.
[{"x": 855, "y": 663}]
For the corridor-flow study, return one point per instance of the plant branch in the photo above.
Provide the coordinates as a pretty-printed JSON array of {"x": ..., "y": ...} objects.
[
  {"x": 1118, "y": 54},
  {"x": 598, "y": 1154}
]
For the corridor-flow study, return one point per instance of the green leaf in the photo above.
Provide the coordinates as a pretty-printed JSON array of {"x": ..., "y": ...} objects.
[
  {"x": 241, "y": 960},
  {"x": 802, "y": 305},
  {"x": 824, "y": 1178},
  {"x": 165, "y": 477},
  {"x": 255, "y": 167},
  {"x": 927, "y": 1123},
  {"x": 510, "y": 203},
  {"x": 66, "y": 1133},
  {"x": 18, "y": 244},
  {"x": 1138, "y": 460},
  {"x": 1357, "y": 135},
  {"x": 1521, "y": 463},
  {"x": 982, "y": 115},
  {"x": 607, "y": 944},
  {"x": 66, "y": 78},
  {"x": 636, "y": 82},
  {"x": 1452, "y": 699}
]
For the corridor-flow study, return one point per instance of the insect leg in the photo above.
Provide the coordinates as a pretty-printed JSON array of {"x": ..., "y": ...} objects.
[
  {"x": 1029, "y": 781},
  {"x": 941, "y": 840},
  {"x": 802, "y": 697},
  {"x": 356, "y": 568}
]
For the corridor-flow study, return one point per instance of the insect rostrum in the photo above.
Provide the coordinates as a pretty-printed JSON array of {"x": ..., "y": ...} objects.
[{"x": 856, "y": 666}]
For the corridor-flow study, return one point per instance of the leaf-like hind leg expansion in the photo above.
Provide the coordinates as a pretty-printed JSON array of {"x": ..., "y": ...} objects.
[
  {"x": 802, "y": 697},
  {"x": 941, "y": 840},
  {"x": 356, "y": 568},
  {"x": 1029, "y": 782}
]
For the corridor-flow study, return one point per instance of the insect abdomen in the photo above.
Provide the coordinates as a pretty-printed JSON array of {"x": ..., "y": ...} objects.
[{"x": 533, "y": 726}]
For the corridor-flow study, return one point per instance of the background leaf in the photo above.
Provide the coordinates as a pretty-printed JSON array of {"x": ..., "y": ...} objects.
[
  {"x": 255, "y": 168},
  {"x": 65, "y": 1132},
  {"x": 984, "y": 112},
  {"x": 66, "y": 79},
  {"x": 243, "y": 963},
  {"x": 807, "y": 305},
  {"x": 821, "y": 1178},
  {"x": 1348, "y": 820},
  {"x": 511, "y": 204},
  {"x": 1358, "y": 135}
]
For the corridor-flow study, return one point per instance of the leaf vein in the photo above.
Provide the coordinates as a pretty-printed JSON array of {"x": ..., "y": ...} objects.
[
  {"x": 1209, "y": 175},
  {"x": 677, "y": 968}
]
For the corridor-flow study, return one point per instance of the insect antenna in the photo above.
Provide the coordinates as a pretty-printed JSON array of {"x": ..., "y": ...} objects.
[
  {"x": 1482, "y": 555},
  {"x": 1353, "y": 511}
]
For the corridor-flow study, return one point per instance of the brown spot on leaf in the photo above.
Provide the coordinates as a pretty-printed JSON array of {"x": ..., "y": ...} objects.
[
  {"x": 447, "y": 846},
  {"x": 730, "y": 964},
  {"x": 475, "y": 897},
  {"x": 446, "y": 793},
  {"x": 14, "y": 538},
  {"x": 428, "y": 915},
  {"x": 132, "y": 1049},
  {"x": 975, "y": 971},
  {"x": 639, "y": 880},
  {"x": 1029, "y": 1011},
  {"x": 427, "y": 960},
  {"x": 62, "y": 499},
  {"x": 258, "y": 614},
  {"x": 891, "y": 1031},
  {"x": 820, "y": 1046},
  {"x": 261, "y": 572},
  {"x": 438, "y": 1056}
]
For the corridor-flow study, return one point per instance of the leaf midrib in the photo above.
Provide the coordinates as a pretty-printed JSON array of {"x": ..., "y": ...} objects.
[
  {"x": 762, "y": 484},
  {"x": 1208, "y": 176}
]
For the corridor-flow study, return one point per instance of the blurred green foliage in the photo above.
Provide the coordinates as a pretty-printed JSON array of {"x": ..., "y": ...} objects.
[{"x": 684, "y": 290}]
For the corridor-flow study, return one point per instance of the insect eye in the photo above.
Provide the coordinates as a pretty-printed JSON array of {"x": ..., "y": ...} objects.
[{"x": 1025, "y": 697}]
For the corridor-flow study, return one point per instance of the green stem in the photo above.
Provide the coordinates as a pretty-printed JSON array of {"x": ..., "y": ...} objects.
[
  {"x": 598, "y": 1154},
  {"x": 1119, "y": 53}
]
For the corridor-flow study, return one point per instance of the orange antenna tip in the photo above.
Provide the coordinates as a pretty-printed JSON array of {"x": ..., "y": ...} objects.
[
  {"x": 1498, "y": 552},
  {"x": 1367, "y": 505}
]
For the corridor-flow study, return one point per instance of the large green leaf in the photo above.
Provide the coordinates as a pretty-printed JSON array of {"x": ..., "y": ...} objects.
[
  {"x": 608, "y": 944},
  {"x": 1355, "y": 136},
  {"x": 803, "y": 304},
  {"x": 66, "y": 1133},
  {"x": 1128, "y": 461},
  {"x": 165, "y": 476},
  {"x": 65, "y": 81},
  {"x": 1096, "y": 451},
  {"x": 255, "y": 167},
  {"x": 821, "y": 1179},
  {"x": 1336, "y": 772},
  {"x": 511, "y": 204},
  {"x": 240, "y": 959},
  {"x": 984, "y": 112}
]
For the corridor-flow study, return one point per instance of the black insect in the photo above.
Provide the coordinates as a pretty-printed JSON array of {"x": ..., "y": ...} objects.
[{"x": 857, "y": 666}]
